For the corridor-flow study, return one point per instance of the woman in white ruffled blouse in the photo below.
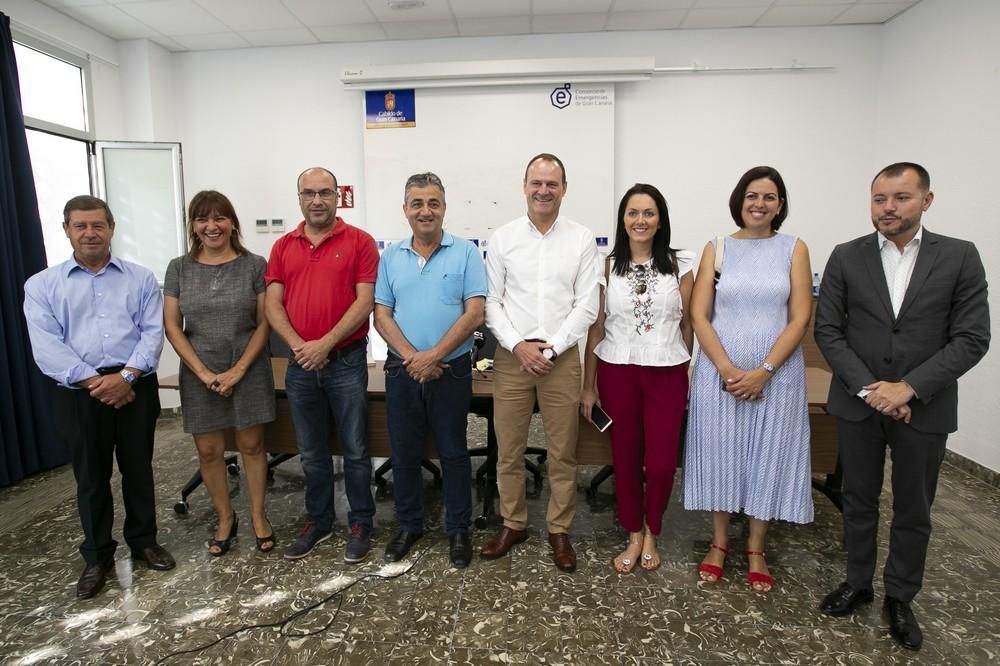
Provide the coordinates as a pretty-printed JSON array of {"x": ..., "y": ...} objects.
[{"x": 636, "y": 366}]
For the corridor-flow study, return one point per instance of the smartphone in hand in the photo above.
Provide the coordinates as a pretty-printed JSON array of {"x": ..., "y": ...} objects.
[{"x": 600, "y": 418}]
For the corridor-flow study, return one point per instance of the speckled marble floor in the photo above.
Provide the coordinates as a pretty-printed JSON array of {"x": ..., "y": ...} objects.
[{"x": 252, "y": 608}]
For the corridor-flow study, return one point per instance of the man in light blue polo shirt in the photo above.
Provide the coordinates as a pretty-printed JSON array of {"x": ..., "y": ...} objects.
[{"x": 429, "y": 299}]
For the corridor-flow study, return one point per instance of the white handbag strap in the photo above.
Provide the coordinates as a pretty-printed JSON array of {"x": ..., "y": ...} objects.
[{"x": 720, "y": 251}]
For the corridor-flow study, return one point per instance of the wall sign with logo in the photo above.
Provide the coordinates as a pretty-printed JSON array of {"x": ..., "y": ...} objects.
[
  {"x": 390, "y": 108},
  {"x": 566, "y": 96}
]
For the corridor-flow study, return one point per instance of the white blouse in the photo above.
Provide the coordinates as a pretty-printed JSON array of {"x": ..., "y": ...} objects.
[{"x": 643, "y": 316}]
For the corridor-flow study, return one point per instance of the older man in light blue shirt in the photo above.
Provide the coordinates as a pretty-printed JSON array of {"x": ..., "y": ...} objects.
[
  {"x": 96, "y": 328},
  {"x": 429, "y": 299}
]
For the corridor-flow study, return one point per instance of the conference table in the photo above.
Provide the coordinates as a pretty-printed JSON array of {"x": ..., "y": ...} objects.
[{"x": 593, "y": 447}]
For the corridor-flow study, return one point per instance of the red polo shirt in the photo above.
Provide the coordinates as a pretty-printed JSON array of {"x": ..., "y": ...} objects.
[{"x": 320, "y": 280}]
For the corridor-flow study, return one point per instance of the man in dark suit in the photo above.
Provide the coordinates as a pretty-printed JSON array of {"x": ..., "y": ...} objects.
[{"x": 902, "y": 314}]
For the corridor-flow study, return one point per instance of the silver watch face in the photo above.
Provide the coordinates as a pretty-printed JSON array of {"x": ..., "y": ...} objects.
[
  {"x": 548, "y": 353},
  {"x": 768, "y": 367},
  {"x": 128, "y": 376}
]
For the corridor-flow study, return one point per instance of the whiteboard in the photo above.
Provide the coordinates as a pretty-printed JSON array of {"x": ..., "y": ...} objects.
[{"x": 479, "y": 142}]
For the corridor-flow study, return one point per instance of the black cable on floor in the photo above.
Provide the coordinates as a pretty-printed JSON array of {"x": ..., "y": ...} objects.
[{"x": 297, "y": 614}]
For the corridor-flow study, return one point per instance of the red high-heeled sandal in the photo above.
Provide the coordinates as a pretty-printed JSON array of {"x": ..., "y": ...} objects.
[
  {"x": 755, "y": 577},
  {"x": 711, "y": 569}
]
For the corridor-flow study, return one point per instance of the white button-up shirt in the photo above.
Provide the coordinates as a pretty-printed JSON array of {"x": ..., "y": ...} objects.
[
  {"x": 643, "y": 325},
  {"x": 898, "y": 266},
  {"x": 541, "y": 286}
]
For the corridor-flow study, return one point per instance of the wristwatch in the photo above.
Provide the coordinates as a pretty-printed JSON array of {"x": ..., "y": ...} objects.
[
  {"x": 767, "y": 366},
  {"x": 128, "y": 375},
  {"x": 549, "y": 353}
]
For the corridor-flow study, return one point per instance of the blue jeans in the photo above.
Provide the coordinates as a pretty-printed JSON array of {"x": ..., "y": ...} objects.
[
  {"x": 340, "y": 388},
  {"x": 442, "y": 406}
]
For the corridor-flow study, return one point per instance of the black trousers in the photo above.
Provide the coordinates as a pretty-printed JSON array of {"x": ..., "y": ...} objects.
[
  {"x": 95, "y": 434},
  {"x": 916, "y": 460}
]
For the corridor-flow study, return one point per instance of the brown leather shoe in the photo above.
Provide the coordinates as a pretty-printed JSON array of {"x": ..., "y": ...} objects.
[
  {"x": 502, "y": 542},
  {"x": 562, "y": 552}
]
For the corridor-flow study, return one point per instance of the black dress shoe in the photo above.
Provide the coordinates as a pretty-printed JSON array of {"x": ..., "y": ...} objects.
[
  {"x": 459, "y": 549},
  {"x": 156, "y": 557},
  {"x": 400, "y": 545},
  {"x": 902, "y": 624},
  {"x": 844, "y": 600},
  {"x": 92, "y": 579}
]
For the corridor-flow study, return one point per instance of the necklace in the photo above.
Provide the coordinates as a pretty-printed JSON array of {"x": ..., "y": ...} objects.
[{"x": 218, "y": 270}]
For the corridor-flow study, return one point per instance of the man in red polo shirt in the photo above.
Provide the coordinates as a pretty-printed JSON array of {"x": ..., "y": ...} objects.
[{"x": 320, "y": 293}]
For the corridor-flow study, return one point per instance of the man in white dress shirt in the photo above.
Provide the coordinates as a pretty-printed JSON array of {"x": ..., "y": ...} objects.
[{"x": 543, "y": 296}]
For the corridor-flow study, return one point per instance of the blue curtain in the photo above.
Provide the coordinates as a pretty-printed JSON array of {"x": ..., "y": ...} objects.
[{"x": 28, "y": 441}]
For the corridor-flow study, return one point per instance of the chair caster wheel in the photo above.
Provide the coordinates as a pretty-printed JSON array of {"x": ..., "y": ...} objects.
[{"x": 181, "y": 508}]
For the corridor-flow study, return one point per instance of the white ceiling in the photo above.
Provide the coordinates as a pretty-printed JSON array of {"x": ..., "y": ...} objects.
[{"x": 195, "y": 25}]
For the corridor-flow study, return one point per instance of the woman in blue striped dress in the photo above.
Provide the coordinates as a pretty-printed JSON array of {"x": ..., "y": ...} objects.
[{"x": 747, "y": 446}]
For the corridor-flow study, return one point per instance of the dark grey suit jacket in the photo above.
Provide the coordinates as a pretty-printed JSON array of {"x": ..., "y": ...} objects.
[{"x": 943, "y": 327}]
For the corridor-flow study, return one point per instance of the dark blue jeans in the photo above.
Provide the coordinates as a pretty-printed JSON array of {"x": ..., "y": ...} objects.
[
  {"x": 442, "y": 406},
  {"x": 340, "y": 388}
]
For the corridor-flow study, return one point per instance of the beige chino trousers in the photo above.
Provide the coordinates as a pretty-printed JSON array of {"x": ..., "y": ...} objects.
[{"x": 558, "y": 394}]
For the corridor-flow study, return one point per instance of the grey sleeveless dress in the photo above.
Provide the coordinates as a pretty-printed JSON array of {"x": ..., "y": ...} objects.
[{"x": 219, "y": 306}]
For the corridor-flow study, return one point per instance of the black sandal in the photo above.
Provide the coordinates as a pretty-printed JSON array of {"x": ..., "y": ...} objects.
[
  {"x": 268, "y": 540},
  {"x": 225, "y": 545}
]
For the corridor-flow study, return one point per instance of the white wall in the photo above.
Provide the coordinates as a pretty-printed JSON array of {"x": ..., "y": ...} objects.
[
  {"x": 252, "y": 119},
  {"x": 147, "y": 99},
  {"x": 938, "y": 103}
]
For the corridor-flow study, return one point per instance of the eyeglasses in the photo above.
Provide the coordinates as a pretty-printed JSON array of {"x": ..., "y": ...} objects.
[{"x": 309, "y": 195}]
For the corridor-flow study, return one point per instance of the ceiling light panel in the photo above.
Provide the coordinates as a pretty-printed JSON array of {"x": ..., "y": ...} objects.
[{"x": 433, "y": 10}]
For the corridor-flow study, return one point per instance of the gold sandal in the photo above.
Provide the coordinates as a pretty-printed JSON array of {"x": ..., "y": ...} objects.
[
  {"x": 622, "y": 564},
  {"x": 650, "y": 560}
]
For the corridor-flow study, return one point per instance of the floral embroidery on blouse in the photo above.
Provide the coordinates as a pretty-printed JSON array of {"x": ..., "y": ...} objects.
[{"x": 642, "y": 280}]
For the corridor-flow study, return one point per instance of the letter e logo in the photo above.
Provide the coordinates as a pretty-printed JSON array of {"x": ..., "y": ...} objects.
[{"x": 561, "y": 97}]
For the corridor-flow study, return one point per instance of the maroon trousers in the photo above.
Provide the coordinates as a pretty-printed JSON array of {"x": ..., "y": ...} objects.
[{"x": 646, "y": 405}]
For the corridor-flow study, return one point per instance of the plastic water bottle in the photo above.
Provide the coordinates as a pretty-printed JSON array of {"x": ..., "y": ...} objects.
[{"x": 815, "y": 285}]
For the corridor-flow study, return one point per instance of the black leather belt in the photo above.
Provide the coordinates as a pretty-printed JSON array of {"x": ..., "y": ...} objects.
[
  {"x": 338, "y": 354},
  {"x": 110, "y": 370},
  {"x": 536, "y": 340}
]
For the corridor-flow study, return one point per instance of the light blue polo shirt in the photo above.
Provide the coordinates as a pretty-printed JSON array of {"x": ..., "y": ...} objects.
[{"x": 426, "y": 302}]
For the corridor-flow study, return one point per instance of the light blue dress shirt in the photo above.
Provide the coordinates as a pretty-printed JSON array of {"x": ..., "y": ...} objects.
[
  {"x": 80, "y": 321},
  {"x": 428, "y": 298}
]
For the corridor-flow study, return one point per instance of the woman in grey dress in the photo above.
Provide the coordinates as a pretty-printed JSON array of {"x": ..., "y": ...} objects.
[
  {"x": 213, "y": 311},
  {"x": 748, "y": 423}
]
